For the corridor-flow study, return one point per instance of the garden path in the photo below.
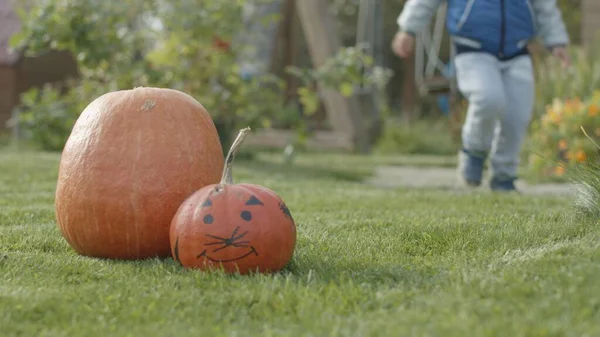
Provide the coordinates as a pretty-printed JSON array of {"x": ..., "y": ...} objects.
[{"x": 445, "y": 178}]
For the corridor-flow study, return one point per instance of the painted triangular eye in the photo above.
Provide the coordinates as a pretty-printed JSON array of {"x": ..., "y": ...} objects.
[
  {"x": 207, "y": 203},
  {"x": 253, "y": 201}
]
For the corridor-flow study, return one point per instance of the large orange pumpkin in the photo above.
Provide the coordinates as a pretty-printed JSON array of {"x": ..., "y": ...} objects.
[
  {"x": 238, "y": 227},
  {"x": 132, "y": 158}
]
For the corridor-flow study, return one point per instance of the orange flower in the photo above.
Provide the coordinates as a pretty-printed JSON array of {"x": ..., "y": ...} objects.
[
  {"x": 571, "y": 106},
  {"x": 580, "y": 156},
  {"x": 593, "y": 110},
  {"x": 554, "y": 117},
  {"x": 562, "y": 144},
  {"x": 568, "y": 108},
  {"x": 559, "y": 170}
]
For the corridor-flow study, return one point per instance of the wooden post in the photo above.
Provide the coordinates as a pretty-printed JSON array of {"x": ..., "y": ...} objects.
[
  {"x": 323, "y": 43},
  {"x": 290, "y": 47},
  {"x": 590, "y": 23},
  {"x": 8, "y": 94},
  {"x": 409, "y": 92}
]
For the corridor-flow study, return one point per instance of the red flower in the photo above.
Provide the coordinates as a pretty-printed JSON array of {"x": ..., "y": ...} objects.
[{"x": 221, "y": 44}]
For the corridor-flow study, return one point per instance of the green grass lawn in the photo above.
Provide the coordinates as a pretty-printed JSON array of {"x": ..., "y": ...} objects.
[{"x": 368, "y": 262}]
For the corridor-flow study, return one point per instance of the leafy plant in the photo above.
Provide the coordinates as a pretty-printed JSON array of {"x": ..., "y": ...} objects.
[
  {"x": 47, "y": 114},
  {"x": 208, "y": 63},
  {"x": 552, "y": 81},
  {"x": 120, "y": 45},
  {"x": 348, "y": 72},
  {"x": 557, "y": 141},
  {"x": 193, "y": 46}
]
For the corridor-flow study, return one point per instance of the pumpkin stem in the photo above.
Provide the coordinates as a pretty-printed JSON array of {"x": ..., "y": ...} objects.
[{"x": 227, "y": 177}]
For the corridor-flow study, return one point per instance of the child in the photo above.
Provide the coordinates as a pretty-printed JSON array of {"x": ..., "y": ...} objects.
[{"x": 494, "y": 72}]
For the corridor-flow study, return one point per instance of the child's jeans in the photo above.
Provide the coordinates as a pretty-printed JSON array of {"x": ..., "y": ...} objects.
[{"x": 501, "y": 97}]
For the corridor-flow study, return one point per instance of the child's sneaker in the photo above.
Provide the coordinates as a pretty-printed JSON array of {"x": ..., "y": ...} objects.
[
  {"x": 470, "y": 167},
  {"x": 503, "y": 185}
]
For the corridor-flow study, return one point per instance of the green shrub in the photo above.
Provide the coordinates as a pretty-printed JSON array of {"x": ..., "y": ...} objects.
[
  {"x": 121, "y": 46},
  {"x": 557, "y": 141},
  {"x": 347, "y": 70},
  {"x": 552, "y": 81},
  {"x": 565, "y": 101},
  {"x": 47, "y": 115},
  {"x": 45, "y": 118}
]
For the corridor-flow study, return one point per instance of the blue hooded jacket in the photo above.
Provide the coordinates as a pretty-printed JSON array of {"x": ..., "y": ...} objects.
[{"x": 499, "y": 27}]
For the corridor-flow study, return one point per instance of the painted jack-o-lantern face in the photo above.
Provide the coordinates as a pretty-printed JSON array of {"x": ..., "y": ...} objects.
[{"x": 239, "y": 227}]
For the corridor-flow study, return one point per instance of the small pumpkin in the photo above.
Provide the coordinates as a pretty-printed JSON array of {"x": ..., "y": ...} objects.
[
  {"x": 132, "y": 158},
  {"x": 238, "y": 227}
]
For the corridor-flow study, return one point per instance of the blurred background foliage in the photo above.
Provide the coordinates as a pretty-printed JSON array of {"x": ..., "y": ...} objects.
[{"x": 192, "y": 45}]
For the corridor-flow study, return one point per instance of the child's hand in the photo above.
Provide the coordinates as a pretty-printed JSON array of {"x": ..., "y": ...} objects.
[
  {"x": 403, "y": 44},
  {"x": 562, "y": 54}
]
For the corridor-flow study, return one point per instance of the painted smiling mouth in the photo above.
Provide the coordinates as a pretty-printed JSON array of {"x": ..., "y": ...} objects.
[
  {"x": 205, "y": 254},
  {"x": 233, "y": 241}
]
